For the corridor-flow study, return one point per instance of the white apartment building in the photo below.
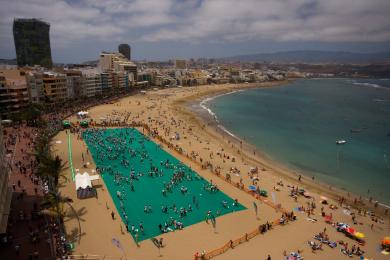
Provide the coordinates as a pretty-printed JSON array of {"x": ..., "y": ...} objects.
[
  {"x": 35, "y": 87},
  {"x": 117, "y": 62},
  {"x": 92, "y": 84}
]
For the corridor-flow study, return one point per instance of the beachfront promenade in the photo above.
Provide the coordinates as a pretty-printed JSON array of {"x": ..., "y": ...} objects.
[{"x": 30, "y": 233}]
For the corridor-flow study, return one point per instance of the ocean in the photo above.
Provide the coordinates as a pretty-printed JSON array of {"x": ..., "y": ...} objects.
[{"x": 298, "y": 124}]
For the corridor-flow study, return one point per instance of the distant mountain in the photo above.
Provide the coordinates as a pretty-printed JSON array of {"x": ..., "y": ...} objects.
[
  {"x": 314, "y": 57},
  {"x": 8, "y": 61}
]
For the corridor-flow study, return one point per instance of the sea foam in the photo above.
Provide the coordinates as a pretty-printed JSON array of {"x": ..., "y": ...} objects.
[
  {"x": 203, "y": 105},
  {"x": 371, "y": 85}
]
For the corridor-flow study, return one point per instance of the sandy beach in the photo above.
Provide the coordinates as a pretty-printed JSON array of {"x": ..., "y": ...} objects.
[{"x": 169, "y": 112}]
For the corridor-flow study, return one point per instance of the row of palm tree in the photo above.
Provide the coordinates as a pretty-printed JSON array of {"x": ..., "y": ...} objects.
[{"x": 51, "y": 169}]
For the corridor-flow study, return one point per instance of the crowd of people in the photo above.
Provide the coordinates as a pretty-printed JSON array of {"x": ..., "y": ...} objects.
[
  {"x": 126, "y": 157},
  {"x": 30, "y": 234}
]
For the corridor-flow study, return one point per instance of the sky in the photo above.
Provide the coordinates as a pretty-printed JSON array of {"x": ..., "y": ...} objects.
[{"x": 168, "y": 29}]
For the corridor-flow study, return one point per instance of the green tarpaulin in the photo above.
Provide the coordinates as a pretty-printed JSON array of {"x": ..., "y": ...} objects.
[
  {"x": 84, "y": 124},
  {"x": 65, "y": 123}
]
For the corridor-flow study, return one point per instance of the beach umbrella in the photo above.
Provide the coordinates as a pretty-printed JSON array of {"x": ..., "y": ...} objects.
[
  {"x": 350, "y": 230},
  {"x": 84, "y": 124},
  {"x": 263, "y": 193},
  {"x": 386, "y": 241},
  {"x": 65, "y": 123},
  {"x": 328, "y": 219},
  {"x": 252, "y": 188},
  {"x": 359, "y": 235},
  {"x": 323, "y": 198}
]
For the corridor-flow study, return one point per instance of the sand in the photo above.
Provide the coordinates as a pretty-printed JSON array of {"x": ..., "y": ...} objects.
[{"x": 167, "y": 111}]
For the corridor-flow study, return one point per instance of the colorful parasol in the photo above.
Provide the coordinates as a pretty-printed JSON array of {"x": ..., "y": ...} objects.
[
  {"x": 328, "y": 219},
  {"x": 252, "y": 188},
  {"x": 386, "y": 241},
  {"x": 359, "y": 235}
]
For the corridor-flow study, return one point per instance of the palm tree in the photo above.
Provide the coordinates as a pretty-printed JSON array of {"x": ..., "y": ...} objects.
[
  {"x": 32, "y": 114},
  {"x": 53, "y": 205},
  {"x": 42, "y": 145},
  {"x": 52, "y": 169}
]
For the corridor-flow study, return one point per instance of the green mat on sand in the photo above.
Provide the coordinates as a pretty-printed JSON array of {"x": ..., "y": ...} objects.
[{"x": 127, "y": 158}]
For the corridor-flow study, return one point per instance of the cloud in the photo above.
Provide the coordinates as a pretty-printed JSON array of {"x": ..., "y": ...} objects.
[
  {"x": 74, "y": 22},
  {"x": 281, "y": 20}
]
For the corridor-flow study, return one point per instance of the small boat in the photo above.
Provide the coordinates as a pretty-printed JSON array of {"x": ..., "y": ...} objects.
[
  {"x": 356, "y": 130},
  {"x": 341, "y": 142}
]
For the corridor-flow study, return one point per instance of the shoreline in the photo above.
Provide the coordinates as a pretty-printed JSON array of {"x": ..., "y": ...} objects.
[
  {"x": 202, "y": 149},
  {"x": 217, "y": 130}
]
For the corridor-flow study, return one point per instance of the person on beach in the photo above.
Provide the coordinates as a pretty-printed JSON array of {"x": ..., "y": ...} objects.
[{"x": 141, "y": 227}]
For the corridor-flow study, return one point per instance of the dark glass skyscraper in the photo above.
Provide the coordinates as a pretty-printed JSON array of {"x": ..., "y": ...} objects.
[
  {"x": 32, "y": 42},
  {"x": 125, "y": 50}
]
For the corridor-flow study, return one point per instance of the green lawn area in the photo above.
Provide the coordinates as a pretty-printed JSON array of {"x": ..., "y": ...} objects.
[{"x": 128, "y": 159}]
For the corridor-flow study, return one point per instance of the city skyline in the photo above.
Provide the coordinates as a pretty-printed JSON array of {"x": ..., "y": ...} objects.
[{"x": 165, "y": 29}]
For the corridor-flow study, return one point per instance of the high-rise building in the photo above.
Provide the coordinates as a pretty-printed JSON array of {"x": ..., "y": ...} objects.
[
  {"x": 5, "y": 190},
  {"x": 125, "y": 49},
  {"x": 32, "y": 42}
]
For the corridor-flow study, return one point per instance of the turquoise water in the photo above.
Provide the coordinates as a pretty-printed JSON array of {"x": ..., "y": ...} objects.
[
  {"x": 299, "y": 123},
  {"x": 124, "y": 151}
]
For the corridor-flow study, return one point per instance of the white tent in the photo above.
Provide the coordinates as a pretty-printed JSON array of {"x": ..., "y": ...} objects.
[
  {"x": 84, "y": 187},
  {"x": 84, "y": 180},
  {"x": 6, "y": 121},
  {"x": 82, "y": 114}
]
